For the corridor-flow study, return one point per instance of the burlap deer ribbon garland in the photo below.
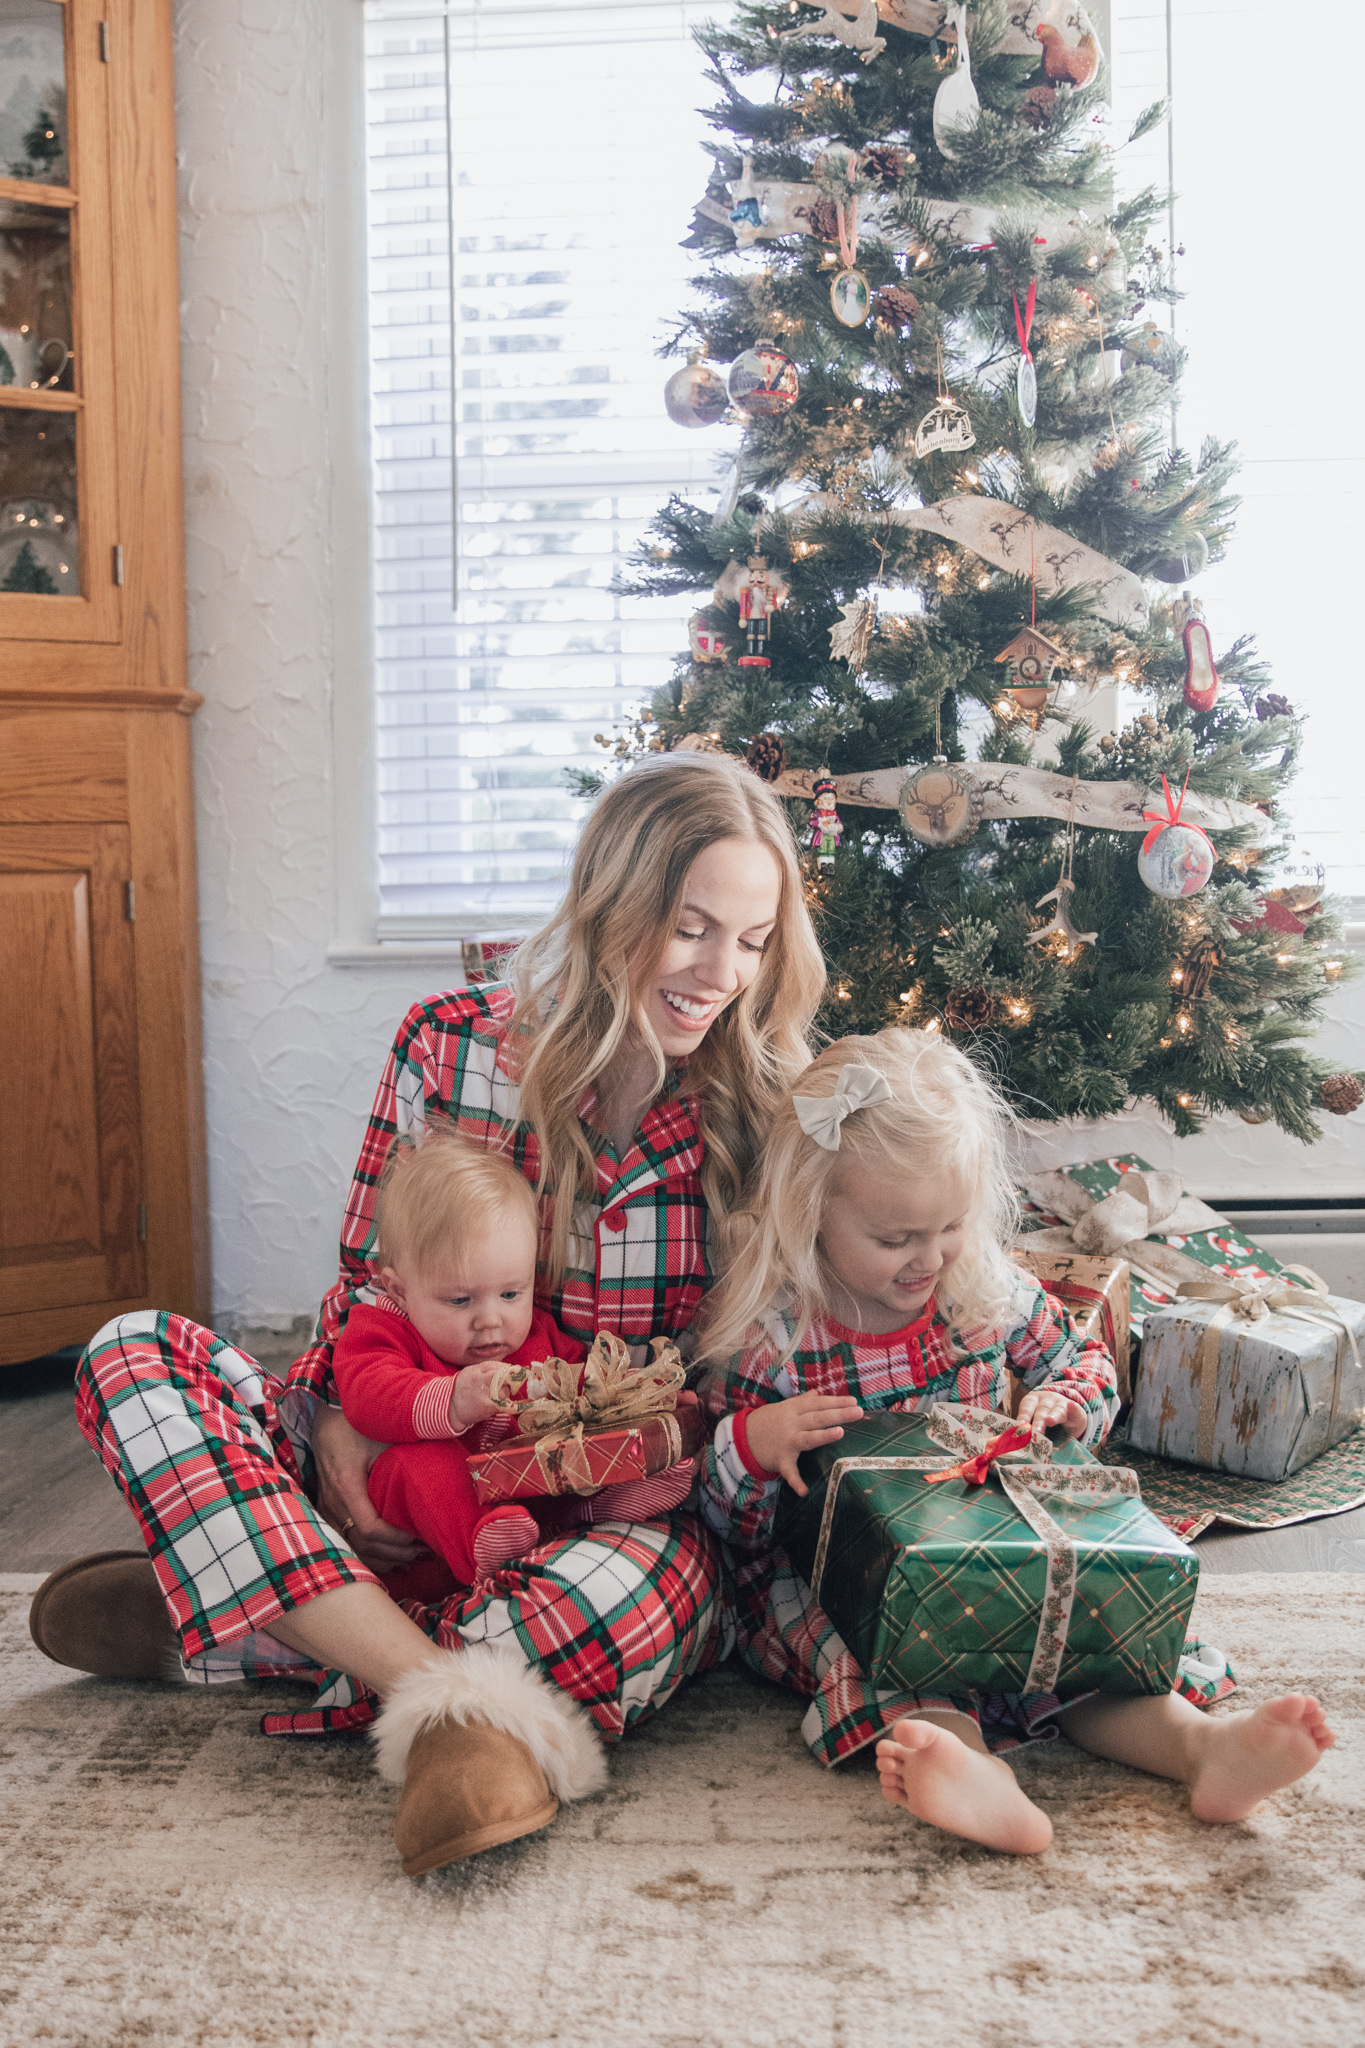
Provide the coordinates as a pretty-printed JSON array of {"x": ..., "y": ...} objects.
[
  {"x": 969, "y": 1432},
  {"x": 1252, "y": 1301}
]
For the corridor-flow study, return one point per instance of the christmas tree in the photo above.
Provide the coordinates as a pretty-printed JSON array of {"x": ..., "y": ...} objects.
[
  {"x": 28, "y": 574},
  {"x": 957, "y": 532}
]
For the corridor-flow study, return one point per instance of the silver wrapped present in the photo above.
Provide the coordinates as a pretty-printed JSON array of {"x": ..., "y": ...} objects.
[{"x": 1250, "y": 1377}]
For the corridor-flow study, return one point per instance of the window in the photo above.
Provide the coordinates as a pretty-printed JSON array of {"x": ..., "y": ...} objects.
[
  {"x": 1269, "y": 276},
  {"x": 563, "y": 143}
]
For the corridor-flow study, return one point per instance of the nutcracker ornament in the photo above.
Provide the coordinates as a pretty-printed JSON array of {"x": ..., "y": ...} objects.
[
  {"x": 758, "y": 601},
  {"x": 826, "y": 827}
]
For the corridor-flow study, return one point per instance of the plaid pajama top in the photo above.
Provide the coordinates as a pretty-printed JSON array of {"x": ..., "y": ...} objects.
[
  {"x": 903, "y": 1370},
  {"x": 638, "y": 1262}
]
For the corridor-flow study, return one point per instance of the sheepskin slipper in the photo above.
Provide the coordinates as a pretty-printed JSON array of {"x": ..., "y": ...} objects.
[
  {"x": 105, "y": 1614},
  {"x": 484, "y": 1751}
]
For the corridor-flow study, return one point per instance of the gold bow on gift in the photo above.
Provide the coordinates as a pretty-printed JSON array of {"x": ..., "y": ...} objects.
[
  {"x": 604, "y": 1392},
  {"x": 975, "y": 1434},
  {"x": 1253, "y": 1300}
]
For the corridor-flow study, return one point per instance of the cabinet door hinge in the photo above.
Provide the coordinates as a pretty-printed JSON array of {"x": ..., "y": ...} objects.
[
  {"x": 142, "y": 1223},
  {"x": 104, "y": 42},
  {"x": 118, "y": 562},
  {"x": 130, "y": 901}
]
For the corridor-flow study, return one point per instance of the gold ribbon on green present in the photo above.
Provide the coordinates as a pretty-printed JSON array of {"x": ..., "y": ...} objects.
[
  {"x": 968, "y": 1433},
  {"x": 1252, "y": 1301}
]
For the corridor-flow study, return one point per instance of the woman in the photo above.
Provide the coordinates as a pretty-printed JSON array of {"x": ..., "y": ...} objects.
[{"x": 632, "y": 1072}]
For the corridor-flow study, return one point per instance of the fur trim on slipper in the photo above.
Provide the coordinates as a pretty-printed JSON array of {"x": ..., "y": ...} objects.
[{"x": 494, "y": 1686}]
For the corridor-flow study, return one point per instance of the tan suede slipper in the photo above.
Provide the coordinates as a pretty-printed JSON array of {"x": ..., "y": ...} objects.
[
  {"x": 484, "y": 1750},
  {"x": 467, "y": 1789},
  {"x": 105, "y": 1615}
]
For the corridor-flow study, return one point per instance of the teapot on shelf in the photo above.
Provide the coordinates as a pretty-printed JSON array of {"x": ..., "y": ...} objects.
[{"x": 25, "y": 360}]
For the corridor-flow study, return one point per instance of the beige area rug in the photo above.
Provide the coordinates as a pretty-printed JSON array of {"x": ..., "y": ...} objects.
[{"x": 169, "y": 1876}]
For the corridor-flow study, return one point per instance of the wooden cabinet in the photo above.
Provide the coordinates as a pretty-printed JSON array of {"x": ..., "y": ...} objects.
[{"x": 102, "y": 1175}]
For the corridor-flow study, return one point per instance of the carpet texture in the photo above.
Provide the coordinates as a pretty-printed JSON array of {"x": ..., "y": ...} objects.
[{"x": 171, "y": 1877}]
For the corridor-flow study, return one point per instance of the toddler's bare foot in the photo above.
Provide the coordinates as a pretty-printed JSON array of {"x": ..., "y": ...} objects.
[
  {"x": 1245, "y": 1757},
  {"x": 933, "y": 1775}
]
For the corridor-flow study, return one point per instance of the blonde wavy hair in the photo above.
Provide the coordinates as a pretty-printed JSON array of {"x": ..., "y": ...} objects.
[
  {"x": 436, "y": 1190},
  {"x": 945, "y": 1116},
  {"x": 580, "y": 981}
]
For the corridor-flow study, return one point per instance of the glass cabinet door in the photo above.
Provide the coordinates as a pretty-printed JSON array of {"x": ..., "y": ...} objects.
[{"x": 60, "y": 568}]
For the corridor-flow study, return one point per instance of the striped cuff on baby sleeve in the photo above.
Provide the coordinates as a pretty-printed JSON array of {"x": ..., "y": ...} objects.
[{"x": 431, "y": 1406}]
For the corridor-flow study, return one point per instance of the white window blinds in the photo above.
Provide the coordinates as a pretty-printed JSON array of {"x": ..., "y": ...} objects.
[{"x": 562, "y": 141}]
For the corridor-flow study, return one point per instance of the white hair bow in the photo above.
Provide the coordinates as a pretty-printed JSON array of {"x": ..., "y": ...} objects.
[{"x": 821, "y": 1115}]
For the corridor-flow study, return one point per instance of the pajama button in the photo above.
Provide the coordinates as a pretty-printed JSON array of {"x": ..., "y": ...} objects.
[{"x": 616, "y": 1221}]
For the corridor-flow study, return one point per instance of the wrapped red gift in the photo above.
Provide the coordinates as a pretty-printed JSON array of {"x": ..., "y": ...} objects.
[
  {"x": 580, "y": 1428},
  {"x": 582, "y": 1461}
]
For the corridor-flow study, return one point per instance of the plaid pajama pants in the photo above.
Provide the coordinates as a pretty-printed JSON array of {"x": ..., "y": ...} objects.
[
  {"x": 191, "y": 1430},
  {"x": 786, "y": 1636}
]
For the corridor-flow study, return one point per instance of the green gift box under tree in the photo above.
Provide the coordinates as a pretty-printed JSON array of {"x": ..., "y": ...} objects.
[{"x": 1049, "y": 1575}]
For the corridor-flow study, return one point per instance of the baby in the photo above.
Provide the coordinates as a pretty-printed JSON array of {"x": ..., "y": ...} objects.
[{"x": 457, "y": 1232}]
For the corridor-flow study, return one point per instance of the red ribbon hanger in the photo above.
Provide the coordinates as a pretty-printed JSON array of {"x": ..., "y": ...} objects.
[
  {"x": 974, "y": 1471},
  {"x": 1023, "y": 322},
  {"x": 1172, "y": 817}
]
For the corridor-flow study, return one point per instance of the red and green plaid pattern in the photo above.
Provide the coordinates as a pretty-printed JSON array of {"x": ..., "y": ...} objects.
[
  {"x": 638, "y": 1261},
  {"x": 190, "y": 1429}
]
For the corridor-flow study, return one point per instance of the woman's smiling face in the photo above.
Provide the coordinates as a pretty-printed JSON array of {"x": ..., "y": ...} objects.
[{"x": 714, "y": 951}]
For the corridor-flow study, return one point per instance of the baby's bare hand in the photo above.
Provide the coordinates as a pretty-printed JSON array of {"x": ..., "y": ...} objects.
[
  {"x": 471, "y": 1398},
  {"x": 1044, "y": 1410},
  {"x": 780, "y": 1431}
]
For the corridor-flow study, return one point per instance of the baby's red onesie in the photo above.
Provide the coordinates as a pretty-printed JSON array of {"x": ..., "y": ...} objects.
[{"x": 395, "y": 1389}]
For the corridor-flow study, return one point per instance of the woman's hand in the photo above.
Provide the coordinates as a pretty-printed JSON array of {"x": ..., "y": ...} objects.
[
  {"x": 343, "y": 1459},
  {"x": 1043, "y": 1409},
  {"x": 778, "y": 1432}
]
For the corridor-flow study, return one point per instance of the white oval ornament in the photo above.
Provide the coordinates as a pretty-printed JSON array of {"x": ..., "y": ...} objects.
[
  {"x": 1026, "y": 390},
  {"x": 695, "y": 396},
  {"x": 947, "y": 427},
  {"x": 1176, "y": 861},
  {"x": 851, "y": 297}
]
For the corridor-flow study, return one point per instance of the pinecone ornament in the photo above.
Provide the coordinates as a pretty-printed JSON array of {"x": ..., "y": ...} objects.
[
  {"x": 885, "y": 163},
  {"x": 1273, "y": 705},
  {"x": 823, "y": 216},
  {"x": 895, "y": 307},
  {"x": 1037, "y": 104},
  {"x": 968, "y": 1009},
  {"x": 1198, "y": 968},
  {"x": 767, "y": 756},
  {"x": 1341, "y": 1093}
]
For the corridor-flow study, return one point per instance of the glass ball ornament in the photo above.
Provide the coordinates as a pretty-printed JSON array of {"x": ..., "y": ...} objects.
[
  {"x": 1188, "y": 558},
  {"x": 1176, "y": 861},
  {"x": 695, "y": 396},
  {"x": 763, "y": 381}
]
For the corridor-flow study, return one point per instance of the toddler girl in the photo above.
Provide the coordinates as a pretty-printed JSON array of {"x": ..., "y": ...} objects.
[
  {"x": 876, "y": 1279},
  {"x": 457, "y": 1231}
]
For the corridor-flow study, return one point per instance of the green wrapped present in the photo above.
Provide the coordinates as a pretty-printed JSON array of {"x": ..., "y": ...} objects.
[
  {"x": 1046, "y": 1574},
  {"x": 1172, "y": 1235}
]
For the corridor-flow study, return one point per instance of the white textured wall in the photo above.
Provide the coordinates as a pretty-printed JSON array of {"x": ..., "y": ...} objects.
[{"x": 293, "y": 1046}]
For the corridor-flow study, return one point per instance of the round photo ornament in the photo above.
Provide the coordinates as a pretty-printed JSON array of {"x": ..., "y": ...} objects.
[
  {"x": 1175, "y": 859},
  {"x": 939, "y": 805}
]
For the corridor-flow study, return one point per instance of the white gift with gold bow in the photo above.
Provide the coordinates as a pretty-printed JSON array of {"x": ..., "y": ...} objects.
[{"x": 1253, "y": 1377}]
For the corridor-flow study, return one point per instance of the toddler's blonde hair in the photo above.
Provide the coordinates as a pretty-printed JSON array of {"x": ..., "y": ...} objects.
[
  {"x": 945, "y": 1116},
  {"x": 436, "y": 1190}
]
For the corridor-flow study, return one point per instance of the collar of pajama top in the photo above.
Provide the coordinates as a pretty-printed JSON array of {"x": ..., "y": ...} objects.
[{"x": 638, "y": 1262}]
